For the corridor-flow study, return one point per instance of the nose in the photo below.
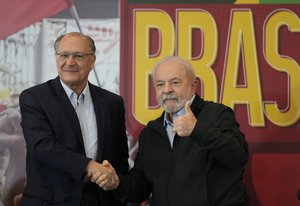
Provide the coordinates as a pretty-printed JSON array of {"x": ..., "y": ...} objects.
[
  {"x": 70, "y": 60},
  {"x": 168, "y": 88}
]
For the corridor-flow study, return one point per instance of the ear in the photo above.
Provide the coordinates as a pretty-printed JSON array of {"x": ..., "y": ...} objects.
[
  {"x": 194, "y": 84},
  {"x": 93, "y": 61},
  {"x": 94, "y": 58}
]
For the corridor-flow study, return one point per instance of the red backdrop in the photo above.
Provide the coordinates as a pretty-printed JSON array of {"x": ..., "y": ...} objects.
[{"x": 263, "y": 47}]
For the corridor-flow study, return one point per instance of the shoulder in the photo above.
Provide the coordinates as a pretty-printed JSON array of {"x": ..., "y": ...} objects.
[
  {"x": 99, "y": 93},
  {"x": 214, "y": 105},
  {"x": 203, "y": 106},
  {"x": 209, "y": 108},
  {"x": 213, "y": 111},
  {"x": 41, "y": 94},
  {"x": 154, "y": 125},
  {"x": 38, "y": 90}
]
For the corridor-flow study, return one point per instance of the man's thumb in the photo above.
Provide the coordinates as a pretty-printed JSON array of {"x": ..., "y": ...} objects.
[
  {"x": 106, "y": 163},
  {"x": 187, "y": 107}
]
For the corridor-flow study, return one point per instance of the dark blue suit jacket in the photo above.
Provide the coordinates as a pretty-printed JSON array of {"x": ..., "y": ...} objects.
[{"x": 56, "y": 161}]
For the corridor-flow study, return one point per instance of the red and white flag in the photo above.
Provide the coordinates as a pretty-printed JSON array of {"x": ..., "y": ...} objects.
[{"x": 16, "y": 14}]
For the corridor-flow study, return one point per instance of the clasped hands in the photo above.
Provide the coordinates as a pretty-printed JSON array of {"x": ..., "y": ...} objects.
[{"x": 104, "y": 175}]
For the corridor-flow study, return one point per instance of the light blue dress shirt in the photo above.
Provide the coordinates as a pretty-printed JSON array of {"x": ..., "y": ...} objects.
[{"x": 84, "y": 108}]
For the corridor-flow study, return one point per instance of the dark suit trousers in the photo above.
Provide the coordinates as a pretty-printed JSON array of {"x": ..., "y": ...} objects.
[{"x": 90, "y": 196}]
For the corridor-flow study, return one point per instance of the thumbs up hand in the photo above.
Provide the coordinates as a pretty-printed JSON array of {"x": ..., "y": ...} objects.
[{"x": 184, "y": 125}]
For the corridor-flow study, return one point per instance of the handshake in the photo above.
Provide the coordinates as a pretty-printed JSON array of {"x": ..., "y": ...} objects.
[{"x": 104, "y": 175}]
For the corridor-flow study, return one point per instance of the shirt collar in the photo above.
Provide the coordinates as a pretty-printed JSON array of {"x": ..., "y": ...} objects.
[
  {"x": 70, "y": 93},
  {"x": 177, "y": 114}
]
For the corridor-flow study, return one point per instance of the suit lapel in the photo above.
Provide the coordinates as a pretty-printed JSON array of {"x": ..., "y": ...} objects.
[
  {"x": 100, "y": 113},
  {"x": 68, "y": 109}
]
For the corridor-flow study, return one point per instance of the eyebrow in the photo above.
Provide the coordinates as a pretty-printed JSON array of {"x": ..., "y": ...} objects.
[
  {"x": 75, "y": 52},
  {"x": 175, "y": 78}
]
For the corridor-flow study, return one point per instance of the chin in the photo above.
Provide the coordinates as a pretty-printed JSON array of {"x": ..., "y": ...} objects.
[{"x": 169, "y": 109}]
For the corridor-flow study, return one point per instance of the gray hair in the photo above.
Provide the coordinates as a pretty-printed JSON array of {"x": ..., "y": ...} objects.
[
  {"x": 176, "y": 59},
  {"x": 89, "y": 39}
]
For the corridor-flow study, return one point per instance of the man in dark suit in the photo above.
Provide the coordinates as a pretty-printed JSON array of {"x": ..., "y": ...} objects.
[
  {"x": 193, "y": 154},
  {"x": 70, "y": 126}
]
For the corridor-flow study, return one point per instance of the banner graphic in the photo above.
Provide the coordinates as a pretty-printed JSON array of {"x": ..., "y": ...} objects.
[{"x": 246, "y": 56}]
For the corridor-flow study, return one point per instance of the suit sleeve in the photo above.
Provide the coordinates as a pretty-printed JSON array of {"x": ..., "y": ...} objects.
[
  {"x": 43, "y": 141},
  {"x": 116, "y": 147}
]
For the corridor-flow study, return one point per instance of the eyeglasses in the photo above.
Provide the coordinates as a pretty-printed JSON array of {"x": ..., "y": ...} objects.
[{"x": 76, "y": 56}]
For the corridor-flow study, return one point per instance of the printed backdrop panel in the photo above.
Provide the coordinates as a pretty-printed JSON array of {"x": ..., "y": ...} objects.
[
  {"x": 245, "y": 56},
  {"x": 27, "y": 58}
]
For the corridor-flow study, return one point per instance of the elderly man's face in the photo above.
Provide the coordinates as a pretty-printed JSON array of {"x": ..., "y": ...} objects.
[
  {"x": 74, "y": 60},
  {"x": 173, "y": 86}
]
